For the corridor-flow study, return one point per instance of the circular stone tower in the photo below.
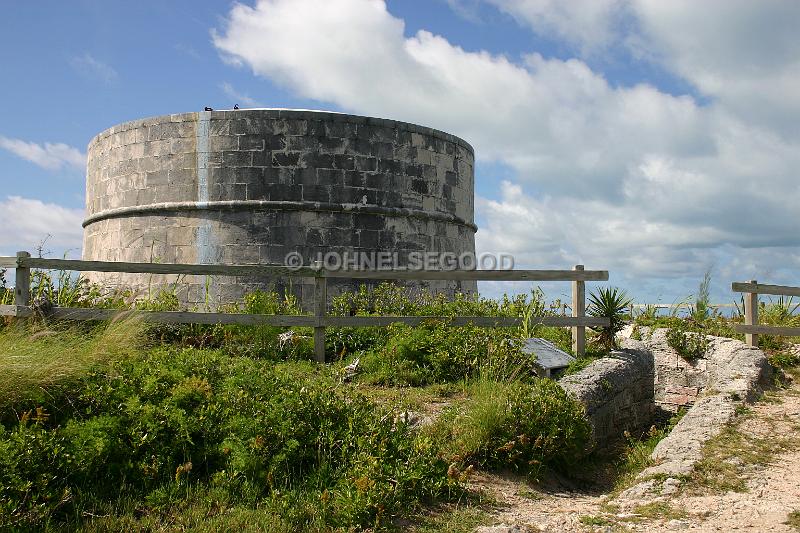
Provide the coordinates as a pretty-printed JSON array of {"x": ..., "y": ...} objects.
[{"x": 251, "y": 186}]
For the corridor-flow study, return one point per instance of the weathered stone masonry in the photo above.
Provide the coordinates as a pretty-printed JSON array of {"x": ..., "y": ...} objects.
[{"x": 250, "y": 186}]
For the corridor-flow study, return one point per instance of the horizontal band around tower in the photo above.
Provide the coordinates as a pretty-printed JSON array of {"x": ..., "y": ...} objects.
[{"x": 278, "y": 205}]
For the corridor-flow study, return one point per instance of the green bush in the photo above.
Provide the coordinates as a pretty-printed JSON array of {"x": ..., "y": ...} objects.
[
  {"x": 261, "y": 341},
  {"x": 689, "y": 345},
  {"x": 262, "y": 434},
  {"x": 42, "y": 365},
  {"x": 785, "y": 359},
  {"x": 524, "y": 426},
  {"x": 265, "y": 341},
  {"x": 438, "y": 353}
]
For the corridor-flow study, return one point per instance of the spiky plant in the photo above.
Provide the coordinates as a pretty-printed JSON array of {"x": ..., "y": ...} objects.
[
  {"x": 609, "y": 302},
  {"x": 781, "y": 311}
]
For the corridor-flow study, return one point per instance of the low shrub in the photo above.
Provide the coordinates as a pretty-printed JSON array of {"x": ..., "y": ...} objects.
[
  {"x": 525, "y": 426},
  {"x": 438, "y": 353},
  {"x": 689, "y": 345},
  {"x": 271, "y": 342},
  {"x": 277, "y": 435},
  {"x": 638, "y": 450},
  {"x": 262, "y": 341},
  {"x": 785, "y": 359},
  {"x": 40, "y": 364}
]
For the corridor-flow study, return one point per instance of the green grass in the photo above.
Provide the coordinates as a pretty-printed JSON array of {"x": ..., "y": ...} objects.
[
  {"x": 660, "y": 510},
  {"x": 128, "y": 426},
  {"x": 528, "y": 427},
  {"x": 456, "y": 519},
  {"x": 39, "y": 365},
  {"x": 793, "y": 519},
  {"x": 597, "y": 521}
]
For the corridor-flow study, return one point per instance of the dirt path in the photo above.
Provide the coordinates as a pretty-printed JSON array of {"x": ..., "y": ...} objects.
[{"x": 759, "y": 457}]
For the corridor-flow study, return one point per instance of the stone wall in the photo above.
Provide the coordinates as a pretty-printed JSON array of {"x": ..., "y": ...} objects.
[
  {"x": 727, "y": 376},
  {"x": 617, "y": 393},
  {"x": 251, "y": 186}
]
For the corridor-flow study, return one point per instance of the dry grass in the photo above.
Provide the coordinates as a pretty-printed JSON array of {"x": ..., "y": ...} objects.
[{"x": 34, "y": 359}]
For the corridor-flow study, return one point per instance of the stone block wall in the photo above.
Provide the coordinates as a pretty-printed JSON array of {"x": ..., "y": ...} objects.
[
  {"x": 251, "y": 186},
  {"x": 617, "y": 393}
]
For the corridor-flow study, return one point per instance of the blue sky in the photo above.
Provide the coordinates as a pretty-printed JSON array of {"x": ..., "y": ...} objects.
[{"x": 654, "y": 139}]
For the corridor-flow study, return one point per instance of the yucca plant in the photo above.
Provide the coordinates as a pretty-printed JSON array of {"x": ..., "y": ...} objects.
[{"x": 609, "y": 302}]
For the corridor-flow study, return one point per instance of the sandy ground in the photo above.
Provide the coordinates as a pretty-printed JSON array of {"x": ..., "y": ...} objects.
[{"x": 773, "y": 491}]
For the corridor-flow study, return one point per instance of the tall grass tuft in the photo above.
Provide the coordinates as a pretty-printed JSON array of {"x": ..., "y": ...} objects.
[
  {"x": 37, "y": 365},
  {"x": 701, "y": 309},
  {"x": 527, "y": 426}
]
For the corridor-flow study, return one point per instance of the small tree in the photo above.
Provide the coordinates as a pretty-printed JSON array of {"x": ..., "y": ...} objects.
[{"x": 609, "y": 302}]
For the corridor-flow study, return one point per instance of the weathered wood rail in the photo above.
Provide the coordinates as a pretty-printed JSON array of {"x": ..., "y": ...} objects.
[
  {"x": 750, "y": 328},
  {"x": 319, "y": 320}
]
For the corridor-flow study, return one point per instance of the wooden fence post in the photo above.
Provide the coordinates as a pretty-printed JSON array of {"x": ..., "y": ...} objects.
[
  {"x": 320, "y": 305},
  {"x": 579, "y": 310},
  {"x": 751, "y": 315},
  {"x": 22, "y": 284}
]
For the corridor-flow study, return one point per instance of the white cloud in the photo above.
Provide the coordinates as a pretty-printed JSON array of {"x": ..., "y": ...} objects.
[
  {"x": 554, "y": 121},
  {"x": 88, "y": 65},
  {"x": 554, "y": 232},
  {"x": 238, "y": 97},
  {"x": 52, "y": 156},
  {"x": 27, "y": 222},
  {"x": 589, "y": 24},
  {"x": 744, "y": 54},
  {"x": 625, "y": 177}
]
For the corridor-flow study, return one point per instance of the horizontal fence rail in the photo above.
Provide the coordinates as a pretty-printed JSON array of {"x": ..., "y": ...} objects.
[
  {"x": 678, "y": 306},
  {"x": 243, "y": 319},
  {"x": 761, "y": 288},
  {"x": 750, "y": 328},
  {"x": 301, "y": 272},
  {"x": 319, "y": 320}
]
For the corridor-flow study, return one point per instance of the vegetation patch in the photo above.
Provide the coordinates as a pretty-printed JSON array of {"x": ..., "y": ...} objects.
[
  {"x": 727, "y": 454},
  {"x": 793, "y": 519},
  {"x": 597, "y": 521},
  {"x": 661, "y": 510},
  {"x": 784, "y": 359},
  {"x": 133, "y": 426},
  {"x": 524, "y": 426},
  {"x": 172, "y": 422},
  {"x": 636, "y": 455},
  {"x": 689, "y": 345},
  {"x": 451, "y": 519}
]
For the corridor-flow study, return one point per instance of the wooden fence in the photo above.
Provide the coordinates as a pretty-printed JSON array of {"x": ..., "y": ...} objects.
[
  {"x": 319, "y": 320},
  {"x": 750, "y": 328}
]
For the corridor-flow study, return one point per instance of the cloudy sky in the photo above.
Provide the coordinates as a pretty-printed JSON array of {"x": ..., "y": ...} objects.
[{"x": 654, "y": 139}]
